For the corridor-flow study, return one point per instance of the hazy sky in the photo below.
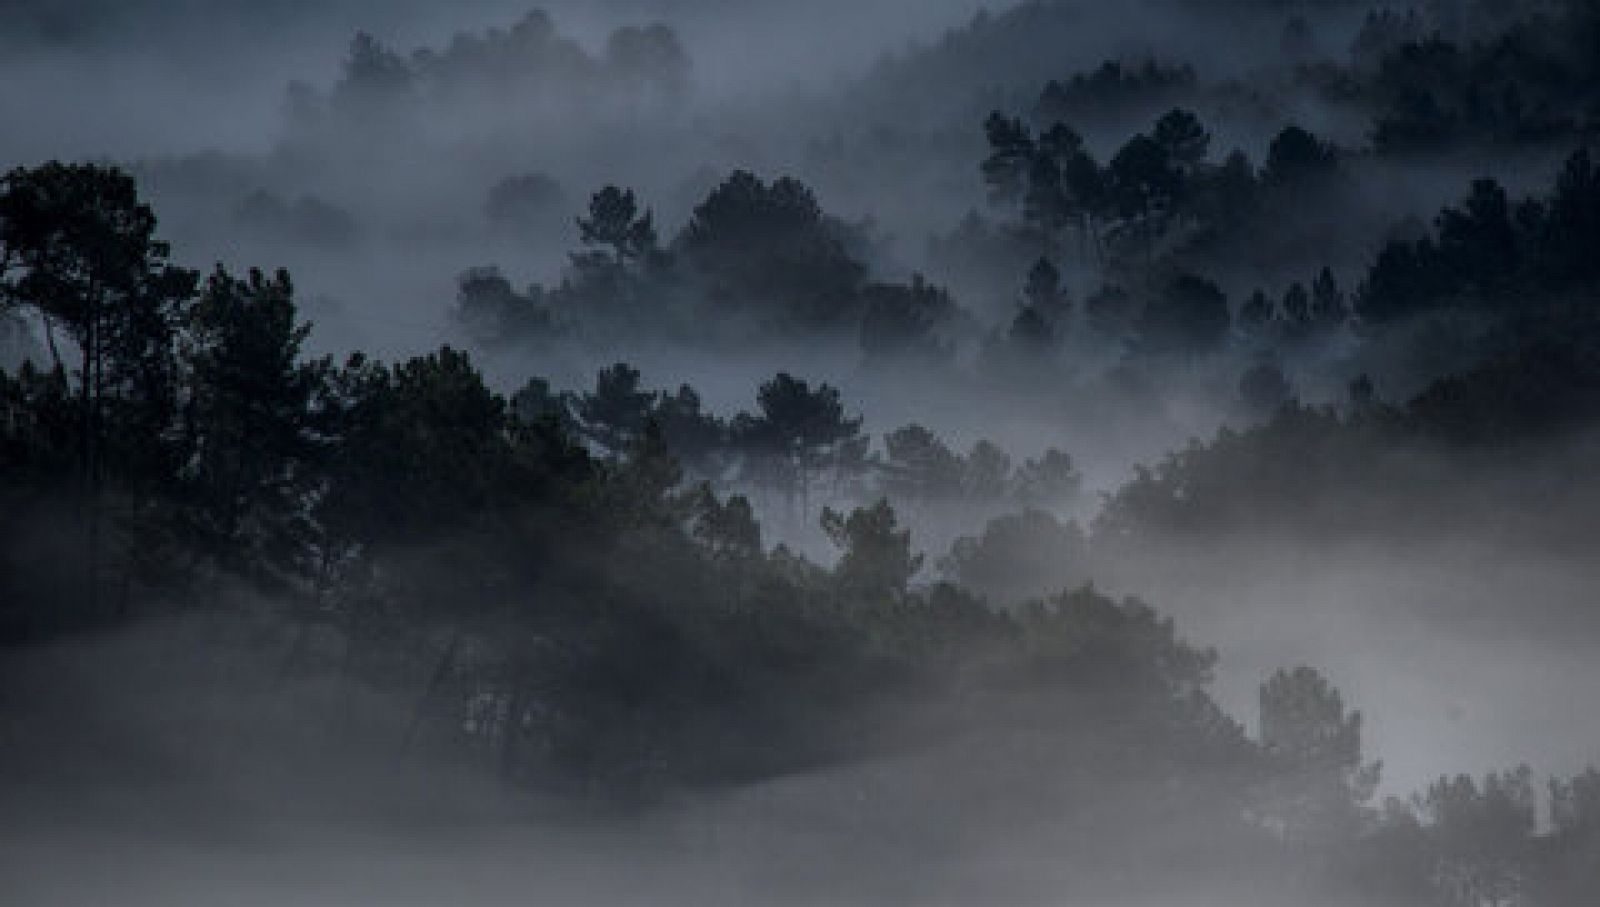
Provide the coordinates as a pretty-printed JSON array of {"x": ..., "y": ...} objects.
[{"x": 176, "y": 76}]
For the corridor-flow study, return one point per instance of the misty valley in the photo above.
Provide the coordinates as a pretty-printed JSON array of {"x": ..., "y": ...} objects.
[{"x": 1032, "y": 452}]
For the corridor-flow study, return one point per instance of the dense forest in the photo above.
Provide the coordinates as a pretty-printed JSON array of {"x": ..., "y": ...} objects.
[{"x": 1046, "y": 457}]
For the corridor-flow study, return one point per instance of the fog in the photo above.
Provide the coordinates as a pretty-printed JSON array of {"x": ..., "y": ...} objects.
[{"x": 963, "y": 332}]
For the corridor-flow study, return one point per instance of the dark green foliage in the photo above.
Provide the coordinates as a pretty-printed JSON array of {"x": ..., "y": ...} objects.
[
  {"x": 1051, "y": 482},
  {"x": 798, "y": 432},
  {"x": 1570, "y": 859},
  {"x": 1316, "y": 471},
  {"x": 1159, "y": 192},
  {"x": 1017, "y": 557},
  {"x": 1083, "y": 637},
  {"x": 1296, "y": 306},
  {"x": 728, "y": 528},
  {"x": 770, "y": 248},
  {"x": 1489, "y": 255},
  {"x": 1480, "y": 840},
  {"x": 1256, "y": 315},
  {"x": 901, "y": 324},
  {"x": 614, "y": 414},
  {"x": 381, "y": 87},
  {"x": 1053, "y": 180},
  {"x": 1298, "y": 159},
  {"x": 1329, "y": 308},
  {"x": 253, "y": 431},
  {"x": 1185, "y": 139},
  {"x": 1143, "y": 180},
  {"x": 1533, "y": 82},
  {"x": 1111, "y": 88},
  {"x": 920, "y": 467},
  {"x": 583, "y": 617},
  {"x": 615, "y": 222},
  {"x": 79, "y": 249},
  {"x": 78, "y": 252},
  {"x": 697, "y": 438},
  {"x": 424, "y": 448},
  {"x": 1548, "y": 390},
  {"x": 1043, "y": 291},
  {"x": 1318, "y": 782},
  {"x": 495, "y": 314},
  {"x": 377, "y": 82},
  {"x": 876, "y": 563}
]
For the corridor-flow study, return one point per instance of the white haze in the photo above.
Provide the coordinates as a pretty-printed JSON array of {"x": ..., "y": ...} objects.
[{"x": 1463, "y": 657}]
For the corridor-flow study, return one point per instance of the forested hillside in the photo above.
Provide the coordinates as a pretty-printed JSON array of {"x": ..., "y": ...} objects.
[{"x": 1065, "y": 460}]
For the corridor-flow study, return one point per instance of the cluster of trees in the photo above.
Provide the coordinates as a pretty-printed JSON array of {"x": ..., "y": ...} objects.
[
  {"x": 1382, "y": 32},
  {"x": 594, "y": 622},
  {"x": 630, "y": 630},
  {"x": 764, "y": 256},
  {"x": 1163, "y": 313},
  {"x": 1330, "y": 471},
  {"x": 1113, "y": 87},
  {"x": 1302, "y": 314},
  {"x": 525, "y": 59},
  {"x": 800, "y": 442},
  {"x": 1158, "y": 186},
  {"x": 1536, "y": 80},
  {"x": 1323, "y": 473},
  {"x": 1493, "y": 255},
  {"x": 755, "y": 257}
]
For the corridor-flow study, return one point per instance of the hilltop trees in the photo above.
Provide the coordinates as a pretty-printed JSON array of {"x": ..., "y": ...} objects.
[
  {"x": 768, "y": 249},
  {"x": 1160, "y": 192},
  {"x": 1490, "y": 255},
  {"x": 1018, "y": 556},
  {"x": 78, "y": 251},
  {"x": 252, "y": 422},
  {"x": 615, "y": 222},
  {"x": 799, "y": 431},
  {"x": 1319, "y": 781},
  {"x": 613, "y": 415},
  {"x": 876, "y": 562}
]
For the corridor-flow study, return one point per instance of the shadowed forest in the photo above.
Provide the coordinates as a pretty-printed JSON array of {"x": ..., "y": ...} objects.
[{"x": 691, "y": 452}]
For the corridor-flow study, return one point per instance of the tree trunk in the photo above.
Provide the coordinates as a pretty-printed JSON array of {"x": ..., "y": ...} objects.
[{"x": 440, "y": 672}]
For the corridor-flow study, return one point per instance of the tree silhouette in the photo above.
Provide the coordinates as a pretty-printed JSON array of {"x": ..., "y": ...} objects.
[
  {"x": 1143, "y": 183},
  {"x": 1481, "y": 838},
  {"x": 770, "y": 249},
  {"x": 901, "y": 323},
  {"x": 78, "y": 248},
  {"x": 920, "y": 467},
  {"x": 1296, "y": 158},
  {"x": 1328, "y": 307},
  {"x": 1185, "y": 139},
  {"x": 877, "y": 563},
  {"x": 799, "y": 431},
  {"x": 615, "y": 221},
  {"x": 614, "y": 414},
  {"x": 251, "y": 429},
  {"x": 1321, "y": 781}
]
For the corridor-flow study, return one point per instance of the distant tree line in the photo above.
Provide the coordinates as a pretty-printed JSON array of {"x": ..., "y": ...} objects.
[{"x": 756, "y": 259}]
